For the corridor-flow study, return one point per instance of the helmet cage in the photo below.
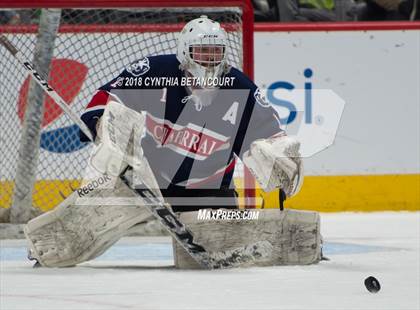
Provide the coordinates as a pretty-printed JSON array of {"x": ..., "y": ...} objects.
[
  {"x": 207, "y": 55},
  {"x": 202, "y": 49}
]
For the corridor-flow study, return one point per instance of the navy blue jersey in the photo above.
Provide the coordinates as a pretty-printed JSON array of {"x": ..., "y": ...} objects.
[{"x": 192, "y": 136}]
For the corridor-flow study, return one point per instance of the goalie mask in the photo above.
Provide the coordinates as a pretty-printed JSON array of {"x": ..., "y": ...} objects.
[{"x": 202, "y": 46}]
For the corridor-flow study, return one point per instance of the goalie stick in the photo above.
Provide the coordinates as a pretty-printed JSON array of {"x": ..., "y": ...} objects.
[{"x": 166, "y": 217}]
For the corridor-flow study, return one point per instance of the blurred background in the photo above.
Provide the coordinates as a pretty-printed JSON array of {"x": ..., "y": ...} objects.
[{"x": 292, "y": 11}]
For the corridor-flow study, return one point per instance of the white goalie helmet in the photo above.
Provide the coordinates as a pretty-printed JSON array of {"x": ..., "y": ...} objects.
[{"x": 202, "y": 48}]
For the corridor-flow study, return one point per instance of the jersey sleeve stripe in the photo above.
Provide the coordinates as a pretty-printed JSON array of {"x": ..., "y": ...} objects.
[
  {"x": 93, "y": 112},
  {"x": 99, "y": 99}
]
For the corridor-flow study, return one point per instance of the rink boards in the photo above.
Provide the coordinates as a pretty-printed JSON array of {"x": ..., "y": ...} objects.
[{"x": 319, "y": 193}]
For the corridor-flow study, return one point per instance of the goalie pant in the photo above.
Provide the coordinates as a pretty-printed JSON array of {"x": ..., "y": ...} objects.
[{"x": 183, "y": 200}]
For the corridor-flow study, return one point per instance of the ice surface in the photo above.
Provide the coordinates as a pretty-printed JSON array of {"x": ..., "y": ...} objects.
[{"x": 137, "y": 273}]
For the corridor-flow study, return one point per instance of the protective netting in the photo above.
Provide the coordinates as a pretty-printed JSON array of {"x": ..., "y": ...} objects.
[{"x": 92, "y": 46}]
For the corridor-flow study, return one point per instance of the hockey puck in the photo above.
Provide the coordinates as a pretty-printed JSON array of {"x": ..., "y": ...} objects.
[{"x": 372, "y": 284}]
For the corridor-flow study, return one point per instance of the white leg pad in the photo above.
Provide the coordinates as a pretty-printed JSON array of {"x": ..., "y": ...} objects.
[
  {"x": 295, "y": 236},
  {"x": 72, "y": 233}
]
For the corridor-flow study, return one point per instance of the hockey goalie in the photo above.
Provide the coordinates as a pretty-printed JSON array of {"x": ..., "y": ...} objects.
[{"x": 175, "y": 125}]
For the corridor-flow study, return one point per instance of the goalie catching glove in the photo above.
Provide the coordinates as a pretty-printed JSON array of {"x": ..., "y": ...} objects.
[{"x": 275, "y": 163}]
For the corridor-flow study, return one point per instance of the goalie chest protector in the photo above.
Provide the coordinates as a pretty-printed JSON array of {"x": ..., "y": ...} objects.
[{"x": 191, "y": 137}]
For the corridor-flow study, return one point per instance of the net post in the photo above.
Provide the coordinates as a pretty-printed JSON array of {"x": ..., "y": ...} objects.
[{"x": 22, "y": 209}]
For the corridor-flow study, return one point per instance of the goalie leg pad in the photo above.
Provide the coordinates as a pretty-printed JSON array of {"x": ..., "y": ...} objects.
[
  {"x": 71, "y": 233},
  {"x": 295, "y": 236}
]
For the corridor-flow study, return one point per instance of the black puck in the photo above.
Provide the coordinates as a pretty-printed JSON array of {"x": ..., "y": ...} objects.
[{"x": 372, "y": 284}]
